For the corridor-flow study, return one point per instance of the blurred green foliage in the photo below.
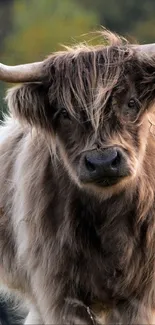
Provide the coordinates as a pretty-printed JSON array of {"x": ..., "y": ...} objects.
[
  {"x": 32, "y": 29},
  {"x": 39, "y": 27},
  {"x": 128, "y": 17}
]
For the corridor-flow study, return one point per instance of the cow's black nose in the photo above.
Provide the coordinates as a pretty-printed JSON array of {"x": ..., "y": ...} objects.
[
  {"x": 104, "y": 166},
  {"x": 105, "y": 162}
]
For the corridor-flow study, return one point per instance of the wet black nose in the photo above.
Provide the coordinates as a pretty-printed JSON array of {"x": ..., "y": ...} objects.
[
  {"x": 106, "y": 161},
  {"x": 107, "y": 164}
]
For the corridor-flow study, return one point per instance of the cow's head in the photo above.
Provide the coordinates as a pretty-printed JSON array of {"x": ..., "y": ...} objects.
[{"x": 95, "y": 103}]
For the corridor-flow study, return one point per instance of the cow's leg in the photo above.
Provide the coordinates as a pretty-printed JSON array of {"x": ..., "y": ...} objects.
[{"x": 33, "y": 317}]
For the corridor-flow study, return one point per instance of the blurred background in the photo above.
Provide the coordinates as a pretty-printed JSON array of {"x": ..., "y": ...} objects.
[{"x": 32, "y": 29}]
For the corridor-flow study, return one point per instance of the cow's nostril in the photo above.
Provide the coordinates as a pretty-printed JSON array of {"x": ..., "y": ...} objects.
[
  {"x": 116, "y": 161},
  {"x": 104, "y": 167},
  {"x": 90, "y": 166}
]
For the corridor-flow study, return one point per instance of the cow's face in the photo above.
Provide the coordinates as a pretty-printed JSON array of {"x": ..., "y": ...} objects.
[
  {"x": 108, "y": 158},
  {"x": 97, "y": 114}
]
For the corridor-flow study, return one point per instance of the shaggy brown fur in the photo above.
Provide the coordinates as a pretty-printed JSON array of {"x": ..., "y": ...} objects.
[{"x": 80, "y": 252}]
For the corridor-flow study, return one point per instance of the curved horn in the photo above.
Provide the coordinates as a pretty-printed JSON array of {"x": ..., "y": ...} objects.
[
  {"x": 146, "y": 49},
  {"x": 22, "y": 73}
]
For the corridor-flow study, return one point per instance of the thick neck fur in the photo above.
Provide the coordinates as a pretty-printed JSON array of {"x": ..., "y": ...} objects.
[
  {"x": 112, "y": 240},
  {"x": 106, "y": 248}
]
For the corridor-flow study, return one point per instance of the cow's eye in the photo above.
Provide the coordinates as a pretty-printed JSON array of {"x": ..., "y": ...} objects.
[
  {"x": 64, "y": 113},
  {"x": 132, "y": 103},
  {"x": 132, "y": 109}
]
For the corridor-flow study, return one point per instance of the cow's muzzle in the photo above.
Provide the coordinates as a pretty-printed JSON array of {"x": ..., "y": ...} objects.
[{"x": 104, "y": 167}]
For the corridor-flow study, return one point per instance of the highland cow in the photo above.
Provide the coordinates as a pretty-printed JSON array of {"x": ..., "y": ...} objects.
[{"x": 77, "y": 179}]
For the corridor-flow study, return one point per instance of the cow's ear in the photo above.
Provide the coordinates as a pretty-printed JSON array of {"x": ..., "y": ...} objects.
[{"x": 29, "y": 103}]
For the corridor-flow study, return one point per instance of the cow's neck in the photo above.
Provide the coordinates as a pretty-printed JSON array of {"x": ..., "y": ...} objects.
[{"x": 108, "y": 231}]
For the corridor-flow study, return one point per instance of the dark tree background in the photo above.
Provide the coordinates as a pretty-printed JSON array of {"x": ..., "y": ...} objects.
[{"x": 128, "y": 17}]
